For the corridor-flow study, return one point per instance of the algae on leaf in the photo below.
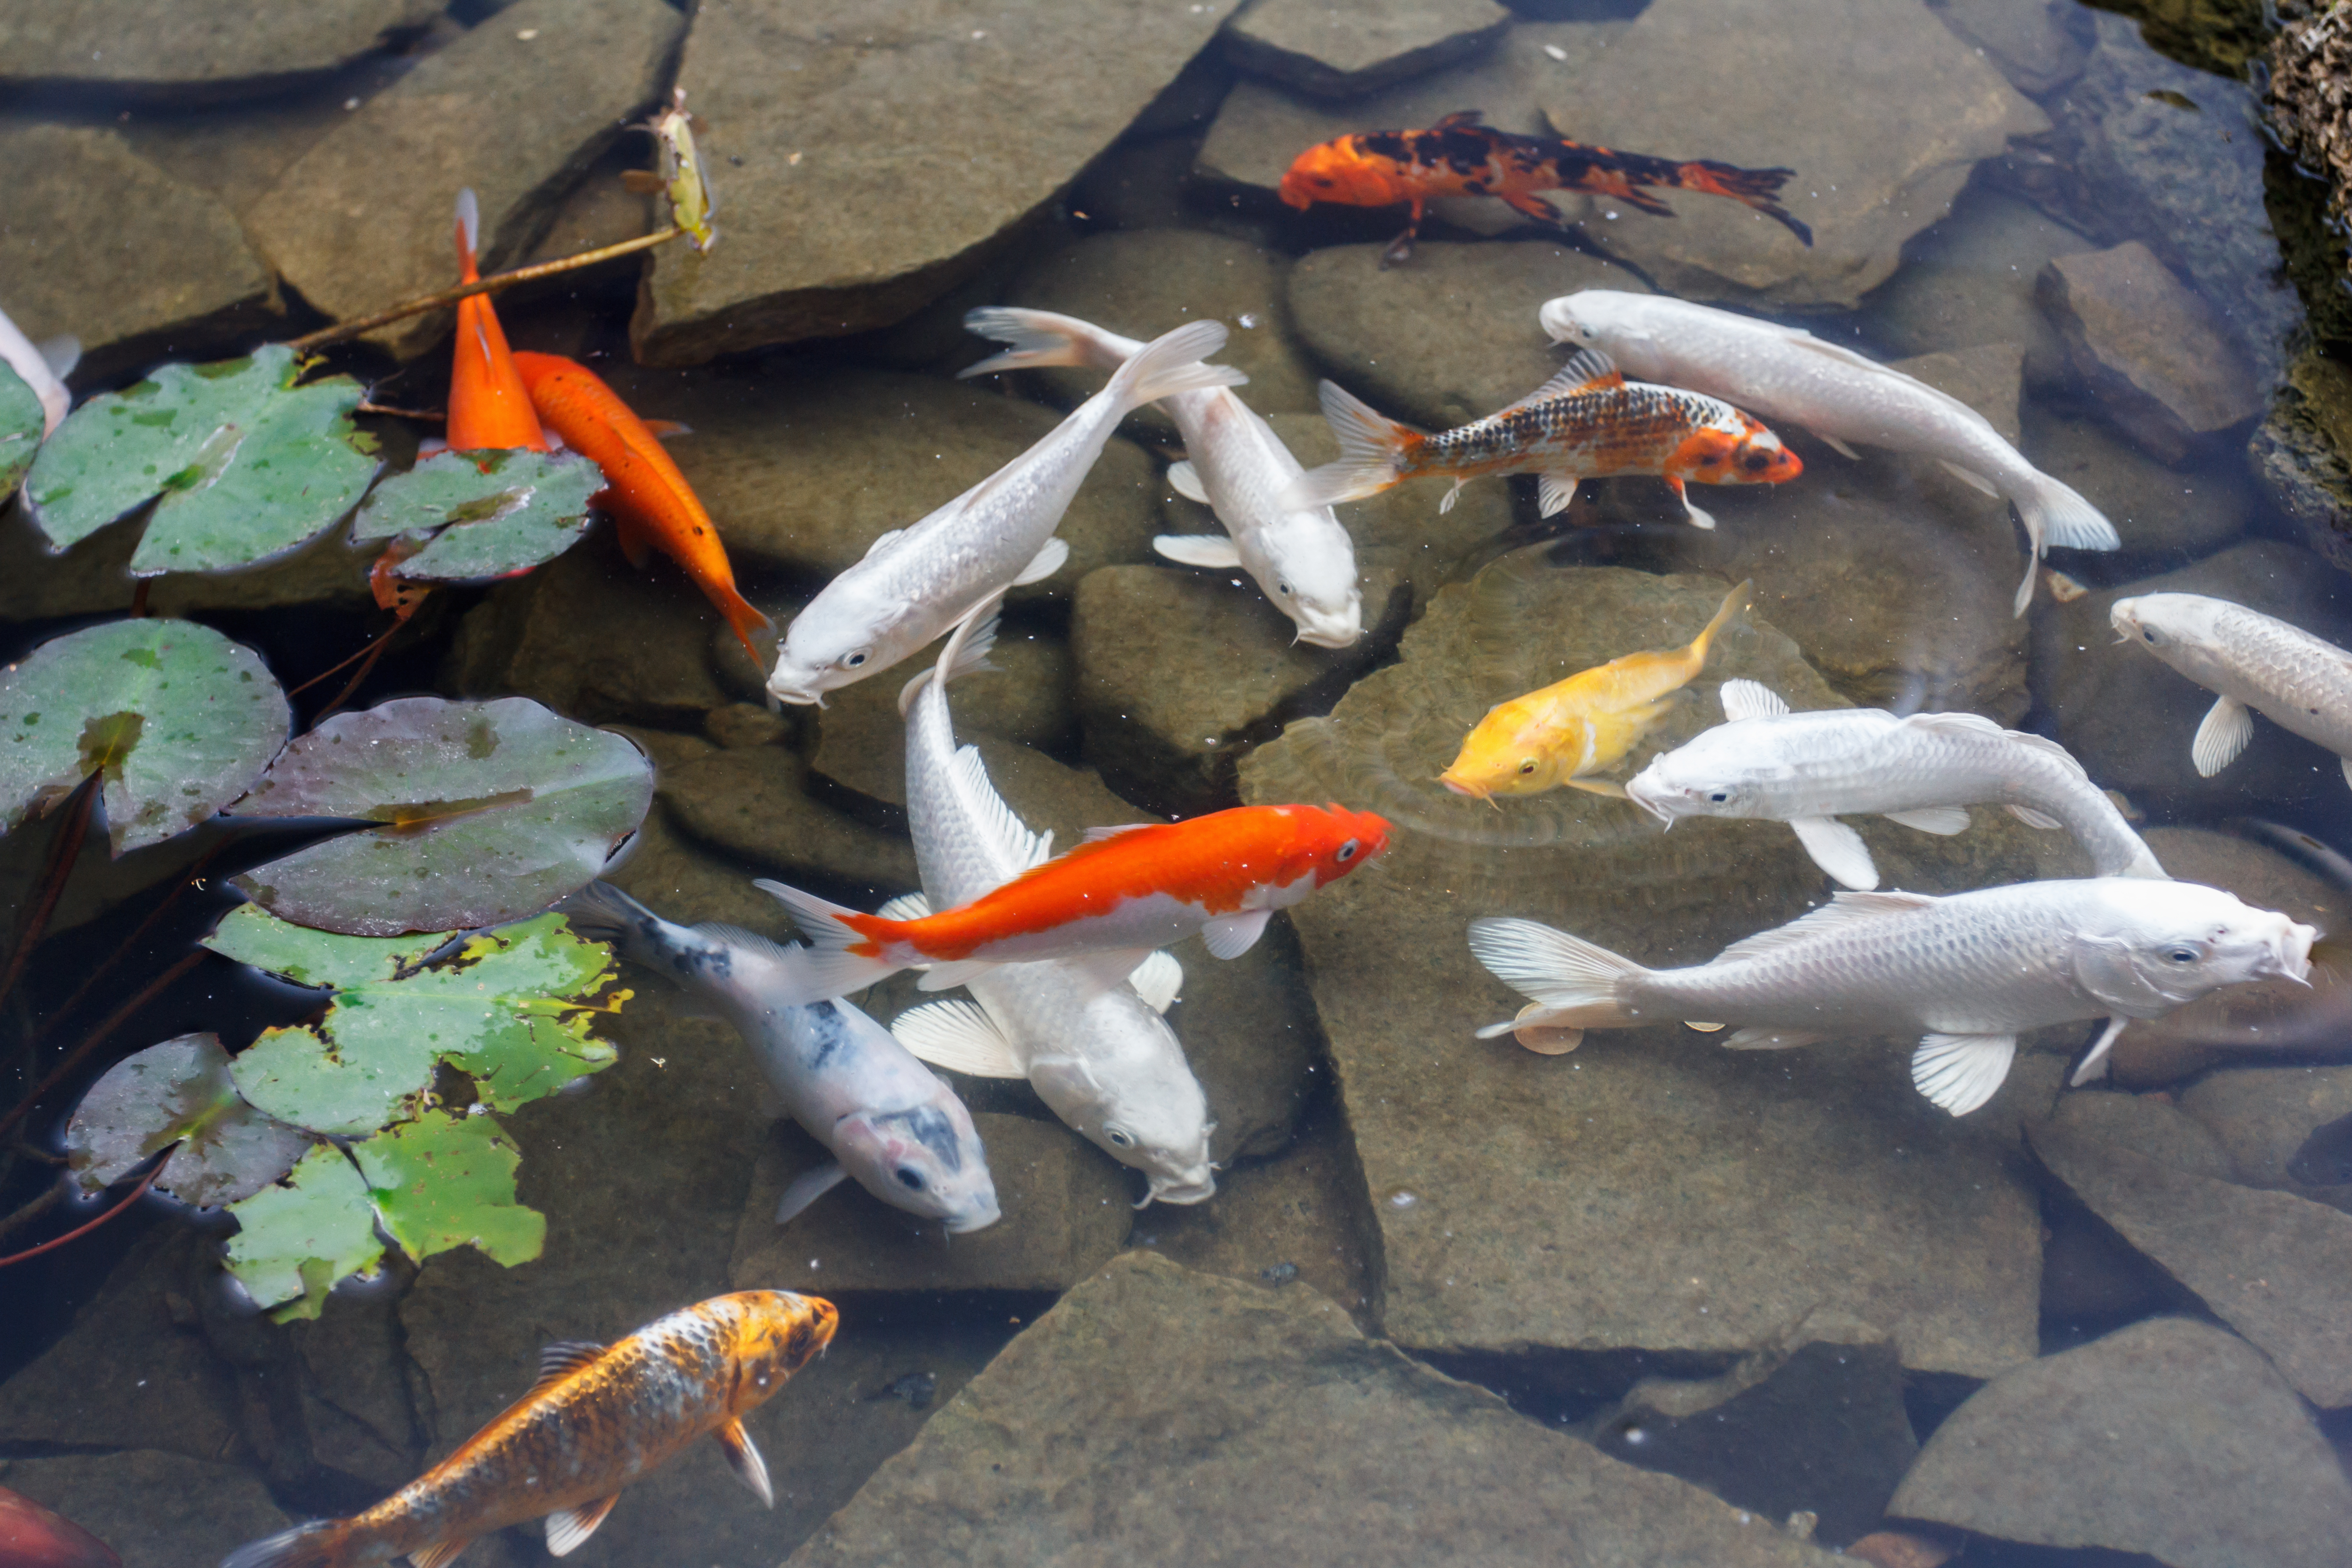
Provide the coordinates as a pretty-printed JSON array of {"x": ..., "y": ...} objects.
[
  {"x": 179, "y": 1092},
  {"x": 489, "y": 810},
  {"x": 296, "y": 1239},
  {"x": 179, "y": 719},
  {"x": 446, "y": 1181},
  {"x": 21, "y": 418},
  {"x": 247, "y": 464},
  {"x": 496, "y": 513}
]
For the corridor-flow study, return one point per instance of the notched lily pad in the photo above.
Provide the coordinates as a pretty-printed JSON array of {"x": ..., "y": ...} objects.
[
  {"x": 179, "y": 719},
  {"x": 488, "y": 514},
  {"x": 490, "y": 811},
  {"x": 179, "y": 1092},
  {"x": 21, "y": 418},
  {"x": 446, "y": 1181},
  {"x": 296, "y": 1239},
  {"x": 248, "y": 465}
]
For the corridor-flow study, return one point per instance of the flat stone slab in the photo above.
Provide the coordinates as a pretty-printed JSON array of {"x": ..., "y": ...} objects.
[
  {"x": 1226, "y": 1399},
  {"x": 1652, "y": 1190},
  {"x": 1864, "y": 183},
  {"x": 156, "y": 1510},
  {"x": 136, "y": 264},
  {"x": 2167, "y": 1437},
  {"x": 755, "y": 804},
  {"x": 1322, "y": 49},
  {"x": 825, "y": 232},
  {"x": 192, "y": 54},
  {"x": 2162, "y": 363},
  {"x": 2271, "y": 1264},
  {"x": 1969, "y": 280},
  {"x": 2285, "y": 1127},
  {"x": 364, "y": 221}
]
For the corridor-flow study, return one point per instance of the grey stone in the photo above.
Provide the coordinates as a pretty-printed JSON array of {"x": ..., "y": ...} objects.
[
  {"x": 2271, "y": 1264},
  {"x": 741, "y": 725},
  {"x": 357, "y": 1414},
  {"x": 1864, "y": 182},
  {"x": 2153, "y": 507},
  {"x": 755, "y": 804},
  {"x": 2033, "y": 42},
  {"x": 1227, "y": 1397},
  {"x": 2298, "y": 451},
  {"x": 683, "y": 881},
  {"x": 1141, "y": 284},
  {"x": 2149, "y": 1126},
  {"x": 1506, "y": 1184},
  {"x": 363, "y": 219},
  {"x": 135, "y": 264},
  {"x": 156, "y": 1509},
  {"x": 824, "y": 234},
  {"x": 94, "y": 577},
  {"x": 1177, "y": 670},
  {"x": 1049, "y": 794},
  {"x": 2163, "y": 366},
  {"x": 1332, "y": 53},
  {"x": 1248, "y": 1028},
  {"x": 1969, "y": 280},
  {"x": 806, "y": 471},
  {"x": 1148, "y": 183},
  {"x": 2242, "y": 1024},
  {"x": 192, "y": 54},
  {"x": 2167, "y": 1437},
  {"x": 2285, "y": 1127},
  {"x": 1449, "y": 337},
  {"x": 2129, "y": 719},
  {"x": 1065, "y": 1207},
  {"x": 862, "y": 740}
]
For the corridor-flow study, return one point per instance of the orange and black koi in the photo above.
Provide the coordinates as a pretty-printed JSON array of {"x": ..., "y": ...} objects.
[{"x": 1459, "y": 157}]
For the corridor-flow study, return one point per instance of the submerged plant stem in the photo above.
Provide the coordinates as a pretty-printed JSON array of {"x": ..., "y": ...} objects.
[
  {"x": 343, "y": 330},
  {"x": 64, "y": 851},
  {"x": 79, "y": 1231},
  {"x": 187, "y": 879},
  {"x": 111, "y": 1022}
]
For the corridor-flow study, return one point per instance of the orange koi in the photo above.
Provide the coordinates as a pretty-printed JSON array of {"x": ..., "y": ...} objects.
[
  {"x": 489, "y": 408},
  {"x": 1459, "y": 157},
  {"x": 1587, "y": 422},
  {"x": 33, "y": 1537},
  {"x": 599, "y": 1417},
  {"x": 1107, "y": 903},
  {"x": 651, "y": 505}
]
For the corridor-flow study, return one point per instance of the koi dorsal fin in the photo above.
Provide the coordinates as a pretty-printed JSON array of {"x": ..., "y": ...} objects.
[
  {"x": 1587, "y": 369},
  {"x": 1461, "y": 120},
  {"x": 564, "y": 1358}
]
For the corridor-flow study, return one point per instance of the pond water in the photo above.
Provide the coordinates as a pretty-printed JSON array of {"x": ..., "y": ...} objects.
[{"x": 1646, "y": 1300}]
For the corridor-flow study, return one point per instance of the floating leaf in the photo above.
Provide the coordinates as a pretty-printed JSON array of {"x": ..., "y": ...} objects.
[
  {"x": 295, "y": 1240},
  {"x": 511, "y": 1008},
  {"x": 498, "y": 513},
  {"x": 248, "y": 465},
  {"x": 180, "y": 721},
  {"x": 21, "y": 418},
  {"x": 491, "y": 811},
  {"x": 446, "y": 1181},
  {"x": 179, "y": 1091}
]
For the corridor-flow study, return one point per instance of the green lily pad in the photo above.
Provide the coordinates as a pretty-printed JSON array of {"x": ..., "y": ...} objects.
[
  {"x": 510, "y": 1007},
  {"x": 497, "y": 513},
  {"x": 21, "y": 418},
  {"x": 180, "y": 719},
  {"x": 248, "y": 465},
  {"x": 296, "y": 1239},
  {"x": 179, "y": 1092},
  {"x": 446, "y": 1181},
  {"x": 490, "y": 811}
]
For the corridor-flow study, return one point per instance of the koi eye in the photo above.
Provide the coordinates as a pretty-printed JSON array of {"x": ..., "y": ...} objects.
[
  {"x": 910, "y": 1179},
  {"x": 2148, "y": 633},
  {"x": 1757, "y": 462},
  {"x": 1345, "y": 852},
  {"x": 1119, "y": 1139},
  {"x": 2182, "y": 955},
  {"x": 853, "y": 661},
  {"x": 1720, "y": 796},
  {"x": 1527, "y": 767},
  {"x": 1282, "y": 588}
]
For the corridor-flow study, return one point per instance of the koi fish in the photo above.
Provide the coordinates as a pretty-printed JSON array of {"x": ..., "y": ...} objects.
[
  {"x": 1587, "y": 422},
  {"x": 651, "y": 505},
  {"x": 892, "y": 1126},
  {"x": 489, "y": 407},
  {"x": 32, "y": 1536},
  {"x": 599, "y": 1417},
  {"x": 2256, "y": 663},
  {"x": 918, "y": 581},
  {"x": 1924, "y": 772},
  {"x": 1969, "y": 971},
  {"x": 1786, "y": 374},
  {"x": 43, "y": 367},
  {"x": 1109, "y": 903},
  {"x": 1101, "y": 1056},
  {"x": 1582, "y": 725},
  {"x": 1459, "y": 157},
  {"x": 1234, "y": 463}
]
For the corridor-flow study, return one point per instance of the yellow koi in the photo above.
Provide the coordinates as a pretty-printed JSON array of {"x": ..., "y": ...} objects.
[{"x": 1585, "y": 724}]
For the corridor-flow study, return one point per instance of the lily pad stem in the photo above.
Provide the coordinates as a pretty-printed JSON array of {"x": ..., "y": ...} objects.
[
  {"x": 64, "y": 851},
  {"x": 111, "y": 1022},
  {"x": 343, "y": 330},
  {"x": 79, "y": 1231}
]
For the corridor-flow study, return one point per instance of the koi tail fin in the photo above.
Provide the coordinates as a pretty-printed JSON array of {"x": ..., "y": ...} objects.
[
  {"x": 1372, "y": 449},
  {"x": 1171, "y": 364},
  {"x": 602, "y": 912},
  {"x": 313, "y": 1545},
  {"x": 1039, "y": 338},
  {"x": 827, "y": 967},
  {"x": 1733, "y": 604},
  {"x": 470, "y": 236},
  {"x": 2054, "y": 513},
  {"x": 1574, "y": 983},
  {"x": 744, "y": 618},
  {"x": 1758, "y": 189}
]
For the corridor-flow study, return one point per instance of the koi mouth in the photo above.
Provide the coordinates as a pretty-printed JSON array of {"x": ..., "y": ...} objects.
[{"x": 1634, "y": 793}]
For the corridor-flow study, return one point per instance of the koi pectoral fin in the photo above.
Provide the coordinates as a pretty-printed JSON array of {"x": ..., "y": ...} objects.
[
  {"x": 440, "y": 1556},
  {"x": 568, "y": 1527},
  {"x": 1597, "y": 787},
  {"x": 743, "y": 1458},
  {"x": 1534, "y": 206},
  {"x": 807, "y": 1187}
]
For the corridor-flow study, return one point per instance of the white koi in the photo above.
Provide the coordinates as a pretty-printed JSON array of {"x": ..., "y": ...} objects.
[{"x": 2254, "y": 663}]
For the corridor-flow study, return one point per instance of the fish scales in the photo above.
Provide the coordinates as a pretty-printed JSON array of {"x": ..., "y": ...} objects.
[{"x": 2249, "y": 660}]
